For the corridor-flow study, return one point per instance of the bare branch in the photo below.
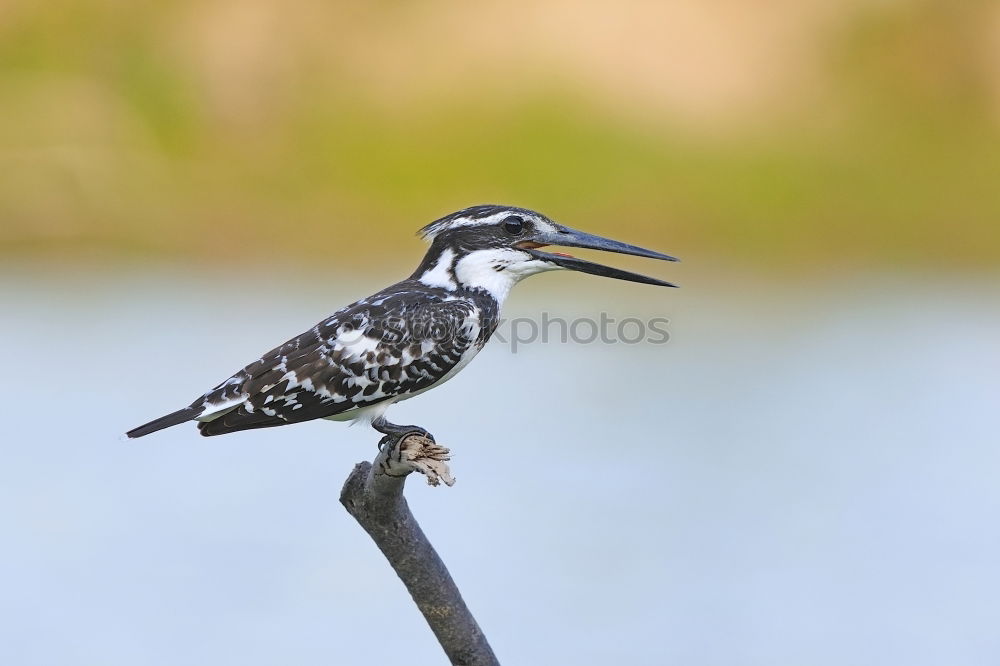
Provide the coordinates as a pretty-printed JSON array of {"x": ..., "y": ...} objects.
[{"x": 373, "y": 494}]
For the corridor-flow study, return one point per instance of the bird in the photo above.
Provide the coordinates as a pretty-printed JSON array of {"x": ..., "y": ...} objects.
[{"x": 407, "y": 338}]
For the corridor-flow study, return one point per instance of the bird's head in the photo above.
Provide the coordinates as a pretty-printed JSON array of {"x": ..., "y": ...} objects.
[{"x": 494, "y": 247}]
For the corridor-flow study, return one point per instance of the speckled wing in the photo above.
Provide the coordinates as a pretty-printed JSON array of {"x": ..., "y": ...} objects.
[{"x": 381, "y": 348}]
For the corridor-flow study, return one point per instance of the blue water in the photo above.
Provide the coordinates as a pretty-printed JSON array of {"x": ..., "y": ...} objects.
[{"x": 801, "y": 475}]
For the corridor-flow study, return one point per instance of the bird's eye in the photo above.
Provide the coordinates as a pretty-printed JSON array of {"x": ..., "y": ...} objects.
[{"x": 513, "y": 225}]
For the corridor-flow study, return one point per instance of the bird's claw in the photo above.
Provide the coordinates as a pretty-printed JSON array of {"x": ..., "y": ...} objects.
[{"x": 399, "y": 433}]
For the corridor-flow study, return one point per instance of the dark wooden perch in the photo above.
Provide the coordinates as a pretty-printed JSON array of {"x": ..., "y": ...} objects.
[{"x": 373, "y": 494}]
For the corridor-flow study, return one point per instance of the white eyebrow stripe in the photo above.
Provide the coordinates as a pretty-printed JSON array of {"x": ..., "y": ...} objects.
[
  {"x": 464, "y": 222},
  {"x": 539, "y": 222}
]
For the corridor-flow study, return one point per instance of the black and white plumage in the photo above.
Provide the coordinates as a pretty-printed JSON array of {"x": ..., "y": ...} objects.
[{"x": 405, "y": 339}]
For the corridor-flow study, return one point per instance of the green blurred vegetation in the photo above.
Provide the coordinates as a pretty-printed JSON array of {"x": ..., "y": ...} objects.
[{"x": 113, "y": 139}]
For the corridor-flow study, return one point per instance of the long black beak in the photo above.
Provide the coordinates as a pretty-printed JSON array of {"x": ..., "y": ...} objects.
[{"x": 567, "y": 237}]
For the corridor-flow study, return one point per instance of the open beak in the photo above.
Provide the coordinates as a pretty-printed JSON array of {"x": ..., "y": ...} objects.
[{"x": 567, "y": 237}]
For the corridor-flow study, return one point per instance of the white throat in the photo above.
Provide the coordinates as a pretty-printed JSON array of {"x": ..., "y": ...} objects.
[{"x": 496, "y": 271}]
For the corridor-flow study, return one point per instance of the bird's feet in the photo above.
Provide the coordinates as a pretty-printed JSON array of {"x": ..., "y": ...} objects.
[
  {"x": 397, "y": 433},
  {"x": 399, "y": 456}
]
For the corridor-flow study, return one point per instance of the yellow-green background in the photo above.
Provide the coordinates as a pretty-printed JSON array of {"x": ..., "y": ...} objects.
[
  {"x": 783, "y": 134},
  {"x": 804, "y": 475}
]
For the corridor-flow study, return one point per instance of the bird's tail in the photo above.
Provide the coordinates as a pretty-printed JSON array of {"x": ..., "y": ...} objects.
[{"x": 180, "y": 416}]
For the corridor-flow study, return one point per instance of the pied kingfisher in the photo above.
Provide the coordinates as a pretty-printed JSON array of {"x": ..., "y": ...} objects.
[{"x": 405, "y": 339}]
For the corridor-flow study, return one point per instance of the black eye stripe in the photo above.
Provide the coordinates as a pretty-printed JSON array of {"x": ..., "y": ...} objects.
[{"x": 513, "y": 225}]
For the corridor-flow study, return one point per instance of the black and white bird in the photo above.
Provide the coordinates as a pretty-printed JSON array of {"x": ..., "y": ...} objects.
[{"x": 405, "y": 339}]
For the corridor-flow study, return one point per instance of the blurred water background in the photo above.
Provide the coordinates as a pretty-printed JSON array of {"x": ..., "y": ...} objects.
[{"x": 805, "y": 473}]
